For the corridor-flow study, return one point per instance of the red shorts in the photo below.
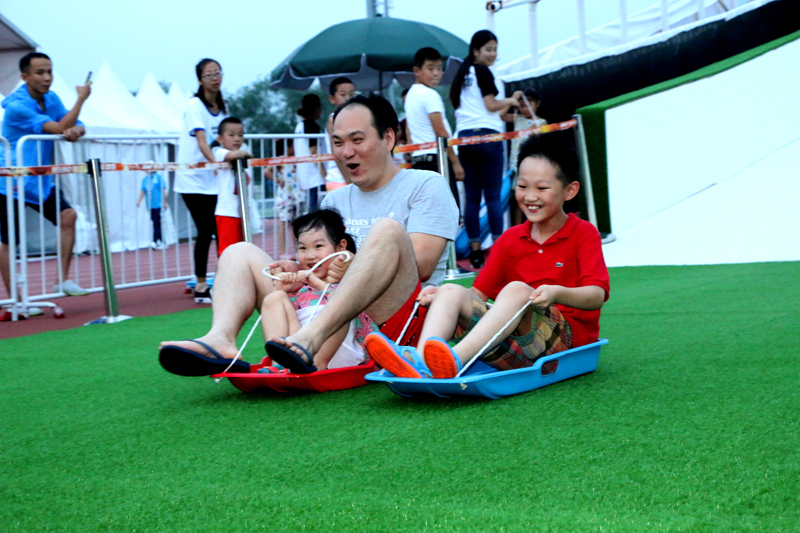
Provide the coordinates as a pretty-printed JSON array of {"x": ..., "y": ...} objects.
[
  {"x": 394, "y": 326},
  {"x": 229, "y": 231}
]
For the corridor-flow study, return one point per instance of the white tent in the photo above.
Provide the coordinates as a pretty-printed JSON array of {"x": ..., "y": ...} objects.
[
  {"x": 13, "y": 45},
  {"x": 178, "y": 98},
  {"x": 154, "y": 99}
]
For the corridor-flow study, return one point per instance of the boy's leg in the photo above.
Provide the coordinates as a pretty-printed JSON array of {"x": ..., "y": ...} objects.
[
  {"x": 155, "y": 216},
  {"x": 451, "y": 307},
  {"x": 506, "y": 305}
]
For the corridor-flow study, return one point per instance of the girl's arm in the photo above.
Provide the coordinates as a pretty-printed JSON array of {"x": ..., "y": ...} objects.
[
  {"x": 494, "y": 105},
  {"x": 202, "y": 143},
  {"x": 315, "y": 282}
]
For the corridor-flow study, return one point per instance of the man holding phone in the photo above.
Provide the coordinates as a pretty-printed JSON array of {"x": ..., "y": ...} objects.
[{"x": 34, "y": 109}]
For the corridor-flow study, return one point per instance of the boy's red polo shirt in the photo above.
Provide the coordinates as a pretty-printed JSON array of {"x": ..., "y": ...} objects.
[{"x": 573, "y": 257}]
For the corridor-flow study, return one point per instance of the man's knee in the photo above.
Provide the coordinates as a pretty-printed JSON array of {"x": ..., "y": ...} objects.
[
  {"x": 241, "y": 252},
  {"x": 387, "y": 229}
]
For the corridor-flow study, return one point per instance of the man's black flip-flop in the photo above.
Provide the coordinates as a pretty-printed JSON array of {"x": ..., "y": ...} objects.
[{"x": 185, "y": 362}]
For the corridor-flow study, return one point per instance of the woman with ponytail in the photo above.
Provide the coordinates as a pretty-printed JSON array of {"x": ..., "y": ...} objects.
[
  {"x": 198, "y": 187},
  {"x": 479, "y": 105}
]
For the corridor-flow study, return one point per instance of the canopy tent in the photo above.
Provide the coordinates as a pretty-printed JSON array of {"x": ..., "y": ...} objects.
[
  {"x": 13, "y": 45},
  {"x": 371, "y": 52},
  {"x": 178, "y": 98},
  {"x": 154, "y": 99}
]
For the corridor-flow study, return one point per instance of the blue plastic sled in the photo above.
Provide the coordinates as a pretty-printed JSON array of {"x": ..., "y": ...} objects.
[{"x": 483, "y": 380}]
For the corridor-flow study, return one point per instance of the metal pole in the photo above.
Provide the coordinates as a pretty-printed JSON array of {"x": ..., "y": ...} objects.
[
  {"x": 98, "y": 192},
  {"x": 452, "y": 272},
  {"x": 490, "y": 9},
  {"x": 623, "y": 18},
  {"x": 664, "y": 16},
  {"x": 701, "y": 9},
  {"x": 585, "y": 173},
  {"x": 533, "y": 29},
  {"x": 371, "y": 11},
  {"x": 244, "y": 197},
  {"x": 582, "y": 26}
]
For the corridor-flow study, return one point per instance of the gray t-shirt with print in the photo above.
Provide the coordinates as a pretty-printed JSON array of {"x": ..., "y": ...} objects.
[{"x": 420, "y": 200}]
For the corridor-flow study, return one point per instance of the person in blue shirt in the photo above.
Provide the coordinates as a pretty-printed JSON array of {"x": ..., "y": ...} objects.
[
  {"x": 153, "y": 188},
  {"x": 34, "y": 109}
]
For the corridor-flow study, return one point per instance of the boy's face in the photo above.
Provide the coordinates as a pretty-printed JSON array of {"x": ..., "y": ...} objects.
[
  {"x": 539, "y": 193},
  {"x": 39, "y": 76},
  {"x": 232, "y": 138},
  {"x": 430, "y": 74},
  {"x": 344, "y": 92}
]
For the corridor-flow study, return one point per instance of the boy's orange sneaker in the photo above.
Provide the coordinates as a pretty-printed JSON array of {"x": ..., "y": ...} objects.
[
  {"x": 440, "y": 359},
  {"x": 402, "y": 361}
]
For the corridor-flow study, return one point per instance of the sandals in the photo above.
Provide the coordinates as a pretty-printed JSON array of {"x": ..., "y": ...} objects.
[
  {"x": 288, "y": 358},
  {"x": 185, "y": 362}
]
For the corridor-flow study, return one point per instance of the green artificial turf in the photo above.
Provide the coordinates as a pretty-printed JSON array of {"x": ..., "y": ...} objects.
[{"x": 690, "y": 423}]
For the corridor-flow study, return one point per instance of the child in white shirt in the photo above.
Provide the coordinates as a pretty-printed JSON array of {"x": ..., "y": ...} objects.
[{"x": 227, "y": 213}]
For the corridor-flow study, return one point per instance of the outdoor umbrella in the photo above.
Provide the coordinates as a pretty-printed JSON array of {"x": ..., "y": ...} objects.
[{"x": 371, "y": 52}]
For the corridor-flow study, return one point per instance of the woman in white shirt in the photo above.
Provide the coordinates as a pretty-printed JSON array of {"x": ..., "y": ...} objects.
[
  {"x": 198, "y": 187},
  {"x": 479, "y": 105}
]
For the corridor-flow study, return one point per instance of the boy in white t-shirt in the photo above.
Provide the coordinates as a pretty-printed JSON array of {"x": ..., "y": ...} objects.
[
  {"x": 426, "y": 117},
  {"x": 227, "y": 213},
  {"x": 341, "y": 90}
]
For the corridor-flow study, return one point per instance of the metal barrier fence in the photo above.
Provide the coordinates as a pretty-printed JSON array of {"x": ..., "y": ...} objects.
[
  {"x": 162, "y": 148},
  {"x": 135, "y": 259}
]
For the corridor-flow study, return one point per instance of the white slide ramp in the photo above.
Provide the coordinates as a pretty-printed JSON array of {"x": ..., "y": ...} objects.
[{"x": 709, "y": 172}]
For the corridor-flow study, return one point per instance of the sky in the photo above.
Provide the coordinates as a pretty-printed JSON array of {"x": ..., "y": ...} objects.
[{"x": 251, "y": 37}]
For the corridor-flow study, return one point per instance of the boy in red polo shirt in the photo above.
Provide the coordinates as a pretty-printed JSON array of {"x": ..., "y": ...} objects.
[{"x": 554, "y": 261}]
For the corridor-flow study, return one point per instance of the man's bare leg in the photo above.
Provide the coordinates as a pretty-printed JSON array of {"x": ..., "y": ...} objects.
[
  {"x": 68, "y": 218},
  {"x": 239, "y": 287},
  {"x": 380, "y": 280}
]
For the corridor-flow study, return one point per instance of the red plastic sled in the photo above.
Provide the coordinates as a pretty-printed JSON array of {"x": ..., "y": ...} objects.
[{"x": 320, "y": 381}]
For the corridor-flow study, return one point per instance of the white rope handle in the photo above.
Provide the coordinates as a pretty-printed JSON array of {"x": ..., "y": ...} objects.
[
  {"x": 491, "y": 341},
  {"x": 408, "y": 323},
  {"x": 528, "y": 105},
  {"x": 347, "y": 257}
]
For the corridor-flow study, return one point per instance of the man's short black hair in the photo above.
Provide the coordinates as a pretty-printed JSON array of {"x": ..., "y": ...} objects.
[
  {"x": 225, "y": 122},
  {"x": 25, "y": 61},
  {"x": 383, "y": 114},
  {"x": 341, "y": 80},
  {"x": 558, "y": 150},
  {"x": 329, "y": 220},
  {"x": 426, "y": 54}
]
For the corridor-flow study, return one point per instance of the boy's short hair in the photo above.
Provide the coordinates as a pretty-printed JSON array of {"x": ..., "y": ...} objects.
[
  {"x": 532, "y": 95},
  {"x": 329, "y": 220},
  {"x": 225, "y": 122},
  {"x": 557, "y": 150},
  {"x": 341, "y": 80},
  {"x": 426, "y": 54},
  {"x": 383, "y": 114},
  {"x": 25, "y": 61}
]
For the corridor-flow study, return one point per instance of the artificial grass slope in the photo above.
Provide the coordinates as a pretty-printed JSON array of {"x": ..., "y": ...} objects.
[{"x": 689, "y": 424}]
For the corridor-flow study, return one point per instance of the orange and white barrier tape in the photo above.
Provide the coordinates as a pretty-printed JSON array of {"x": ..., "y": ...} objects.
[{"x": 272, "y": 161}]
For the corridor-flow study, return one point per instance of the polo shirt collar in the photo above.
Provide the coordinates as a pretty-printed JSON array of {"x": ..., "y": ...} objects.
[{"x": 563, "y": 233}]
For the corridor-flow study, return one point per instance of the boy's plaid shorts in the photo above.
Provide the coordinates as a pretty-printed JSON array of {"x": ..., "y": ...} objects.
[{"x": 550, "y": 333}]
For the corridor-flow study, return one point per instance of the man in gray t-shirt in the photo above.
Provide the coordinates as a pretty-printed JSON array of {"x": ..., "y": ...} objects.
[{"x": 402, "y": 221}]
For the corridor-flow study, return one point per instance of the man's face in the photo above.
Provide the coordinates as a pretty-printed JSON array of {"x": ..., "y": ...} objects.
[
  {"x": 430, "y": 74},
  {"x": 344, "y": 92},
  {"x": 39, "y": 76},
  {"x": 358, "y": 147}
]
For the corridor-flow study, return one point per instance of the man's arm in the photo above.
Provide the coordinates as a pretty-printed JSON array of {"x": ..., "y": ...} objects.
[
  {"x": 66, "y": 126},
  {"x": 428, "y": 249},
  {"x": 441, "y": 131}
]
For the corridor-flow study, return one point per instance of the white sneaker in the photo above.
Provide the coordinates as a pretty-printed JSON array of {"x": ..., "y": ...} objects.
[
  {"x": 70, "y": 288},
  {"x": 35, "y": 311}
]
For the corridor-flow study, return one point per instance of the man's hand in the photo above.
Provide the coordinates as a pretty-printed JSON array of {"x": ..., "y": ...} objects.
[
  {"x": 84, "y": 91},
  {"x": 545, "y": 295},
  {"x": 426, "y": 295},
  {"x": 74, "y": 133}
]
